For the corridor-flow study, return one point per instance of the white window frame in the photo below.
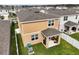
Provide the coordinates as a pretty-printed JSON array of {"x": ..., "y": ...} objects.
[
  {"x": 52, "y": 22},
  {"x": 65, "y": 18},
  {"x": 76, "y": 17},
  {"x": 34, "y": 36}
]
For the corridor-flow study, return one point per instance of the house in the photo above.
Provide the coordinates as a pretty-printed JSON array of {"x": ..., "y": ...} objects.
[
  {"x": 4, "y": 37},
  {"x": 4, "y": 13},
  {"x": 5, "y": 10},
  {"x": 36, "y": 27},
  {"x": 69, "y": 19}
]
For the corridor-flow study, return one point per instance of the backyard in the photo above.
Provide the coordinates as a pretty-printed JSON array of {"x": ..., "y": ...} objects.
[
  {"x": 63, "y": 49},
  {"x": 76, "y": 36}
]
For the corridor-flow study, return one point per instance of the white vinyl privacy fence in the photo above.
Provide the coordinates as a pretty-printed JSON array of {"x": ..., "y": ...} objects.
[{"x": 70, "y": 40}]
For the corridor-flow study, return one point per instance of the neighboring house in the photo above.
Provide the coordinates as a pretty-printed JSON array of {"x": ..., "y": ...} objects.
[
  {"x": 4, "y": 11},
  {"x": 4, "y": 37},
  {"x": 69, "y": 19},
  {"x": 5, "y": 15},
  {"x": 7, "y": 9},
  {"x": 38, "y": 27}
]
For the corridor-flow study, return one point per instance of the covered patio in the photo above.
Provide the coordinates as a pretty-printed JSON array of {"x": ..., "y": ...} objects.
[
  {"x": 51, "y": 37},
  {"x": 70, "y": 27}
]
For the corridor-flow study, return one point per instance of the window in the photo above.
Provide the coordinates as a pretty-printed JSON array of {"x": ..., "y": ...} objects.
[
  {"x": 76, "y": 17},
  {"x": 34, "y": 37},
  {"x": 50, "y": 22},
  {"x": 65, "y": 18}
]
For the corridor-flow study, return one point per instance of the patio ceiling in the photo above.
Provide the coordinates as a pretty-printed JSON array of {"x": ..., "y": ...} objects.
[
  {"x": 50, "y": 32},
  {"x": 70, "y": 24}
]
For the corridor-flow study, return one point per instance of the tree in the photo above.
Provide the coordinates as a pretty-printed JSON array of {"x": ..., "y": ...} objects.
[{"x": 12, "y": 14}]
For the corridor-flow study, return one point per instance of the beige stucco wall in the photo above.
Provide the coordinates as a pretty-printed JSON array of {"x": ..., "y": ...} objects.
[
  {"x": 33, "y": 27},
  {"x": 27, "y": 29},
  {"x": 27, "y": 38},
  {"x": 37, "y": 26}
]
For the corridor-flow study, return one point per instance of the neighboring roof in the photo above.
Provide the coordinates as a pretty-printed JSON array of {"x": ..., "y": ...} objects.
[
  {"x": 61, "y": 12},
  {"x": 4, "y": 37},
  {"x": 28, "y": 9},
  {"x": 28, "y": 14},
  {"x": 70, "y": 23},
  {"x": 34, "y": 14},
  {"x": 5, "y": 7},
  {"x": 50, "y": 32}
]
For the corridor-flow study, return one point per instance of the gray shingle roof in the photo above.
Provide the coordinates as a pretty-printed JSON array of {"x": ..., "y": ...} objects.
[
  {"x": 30, "y": 15},
  {"x": 6, "y": 8},
  {"x": 4, "y": 37},
  {"x": 70, "y": 23},
  {"x": 61, "y": 12},
  {"x": 50, "y": 32}
]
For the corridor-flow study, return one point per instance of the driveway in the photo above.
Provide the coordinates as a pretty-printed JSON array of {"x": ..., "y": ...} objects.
[{"x": 70, "y": 40}]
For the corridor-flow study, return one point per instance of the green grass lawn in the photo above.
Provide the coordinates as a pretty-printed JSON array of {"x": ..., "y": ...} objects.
[
  {"x": 63, "y": 49},
  {"x": 22, "y": 49},
  {"x": 76, "y": 36},
  {"x": 12, "y": 40}
]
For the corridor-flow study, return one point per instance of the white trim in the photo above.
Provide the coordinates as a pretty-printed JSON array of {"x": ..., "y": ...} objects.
[
  {"x": 39, "y": 20},
  {"x": 33, "y": 32}
]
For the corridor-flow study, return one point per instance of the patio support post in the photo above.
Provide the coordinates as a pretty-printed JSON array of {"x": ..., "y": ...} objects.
[
  {"x": 70, "y": 30},
  {"x": 47, "y": 41},
  {"x": 76, "y": 28},
  {"x": 59, "y": 39}
]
